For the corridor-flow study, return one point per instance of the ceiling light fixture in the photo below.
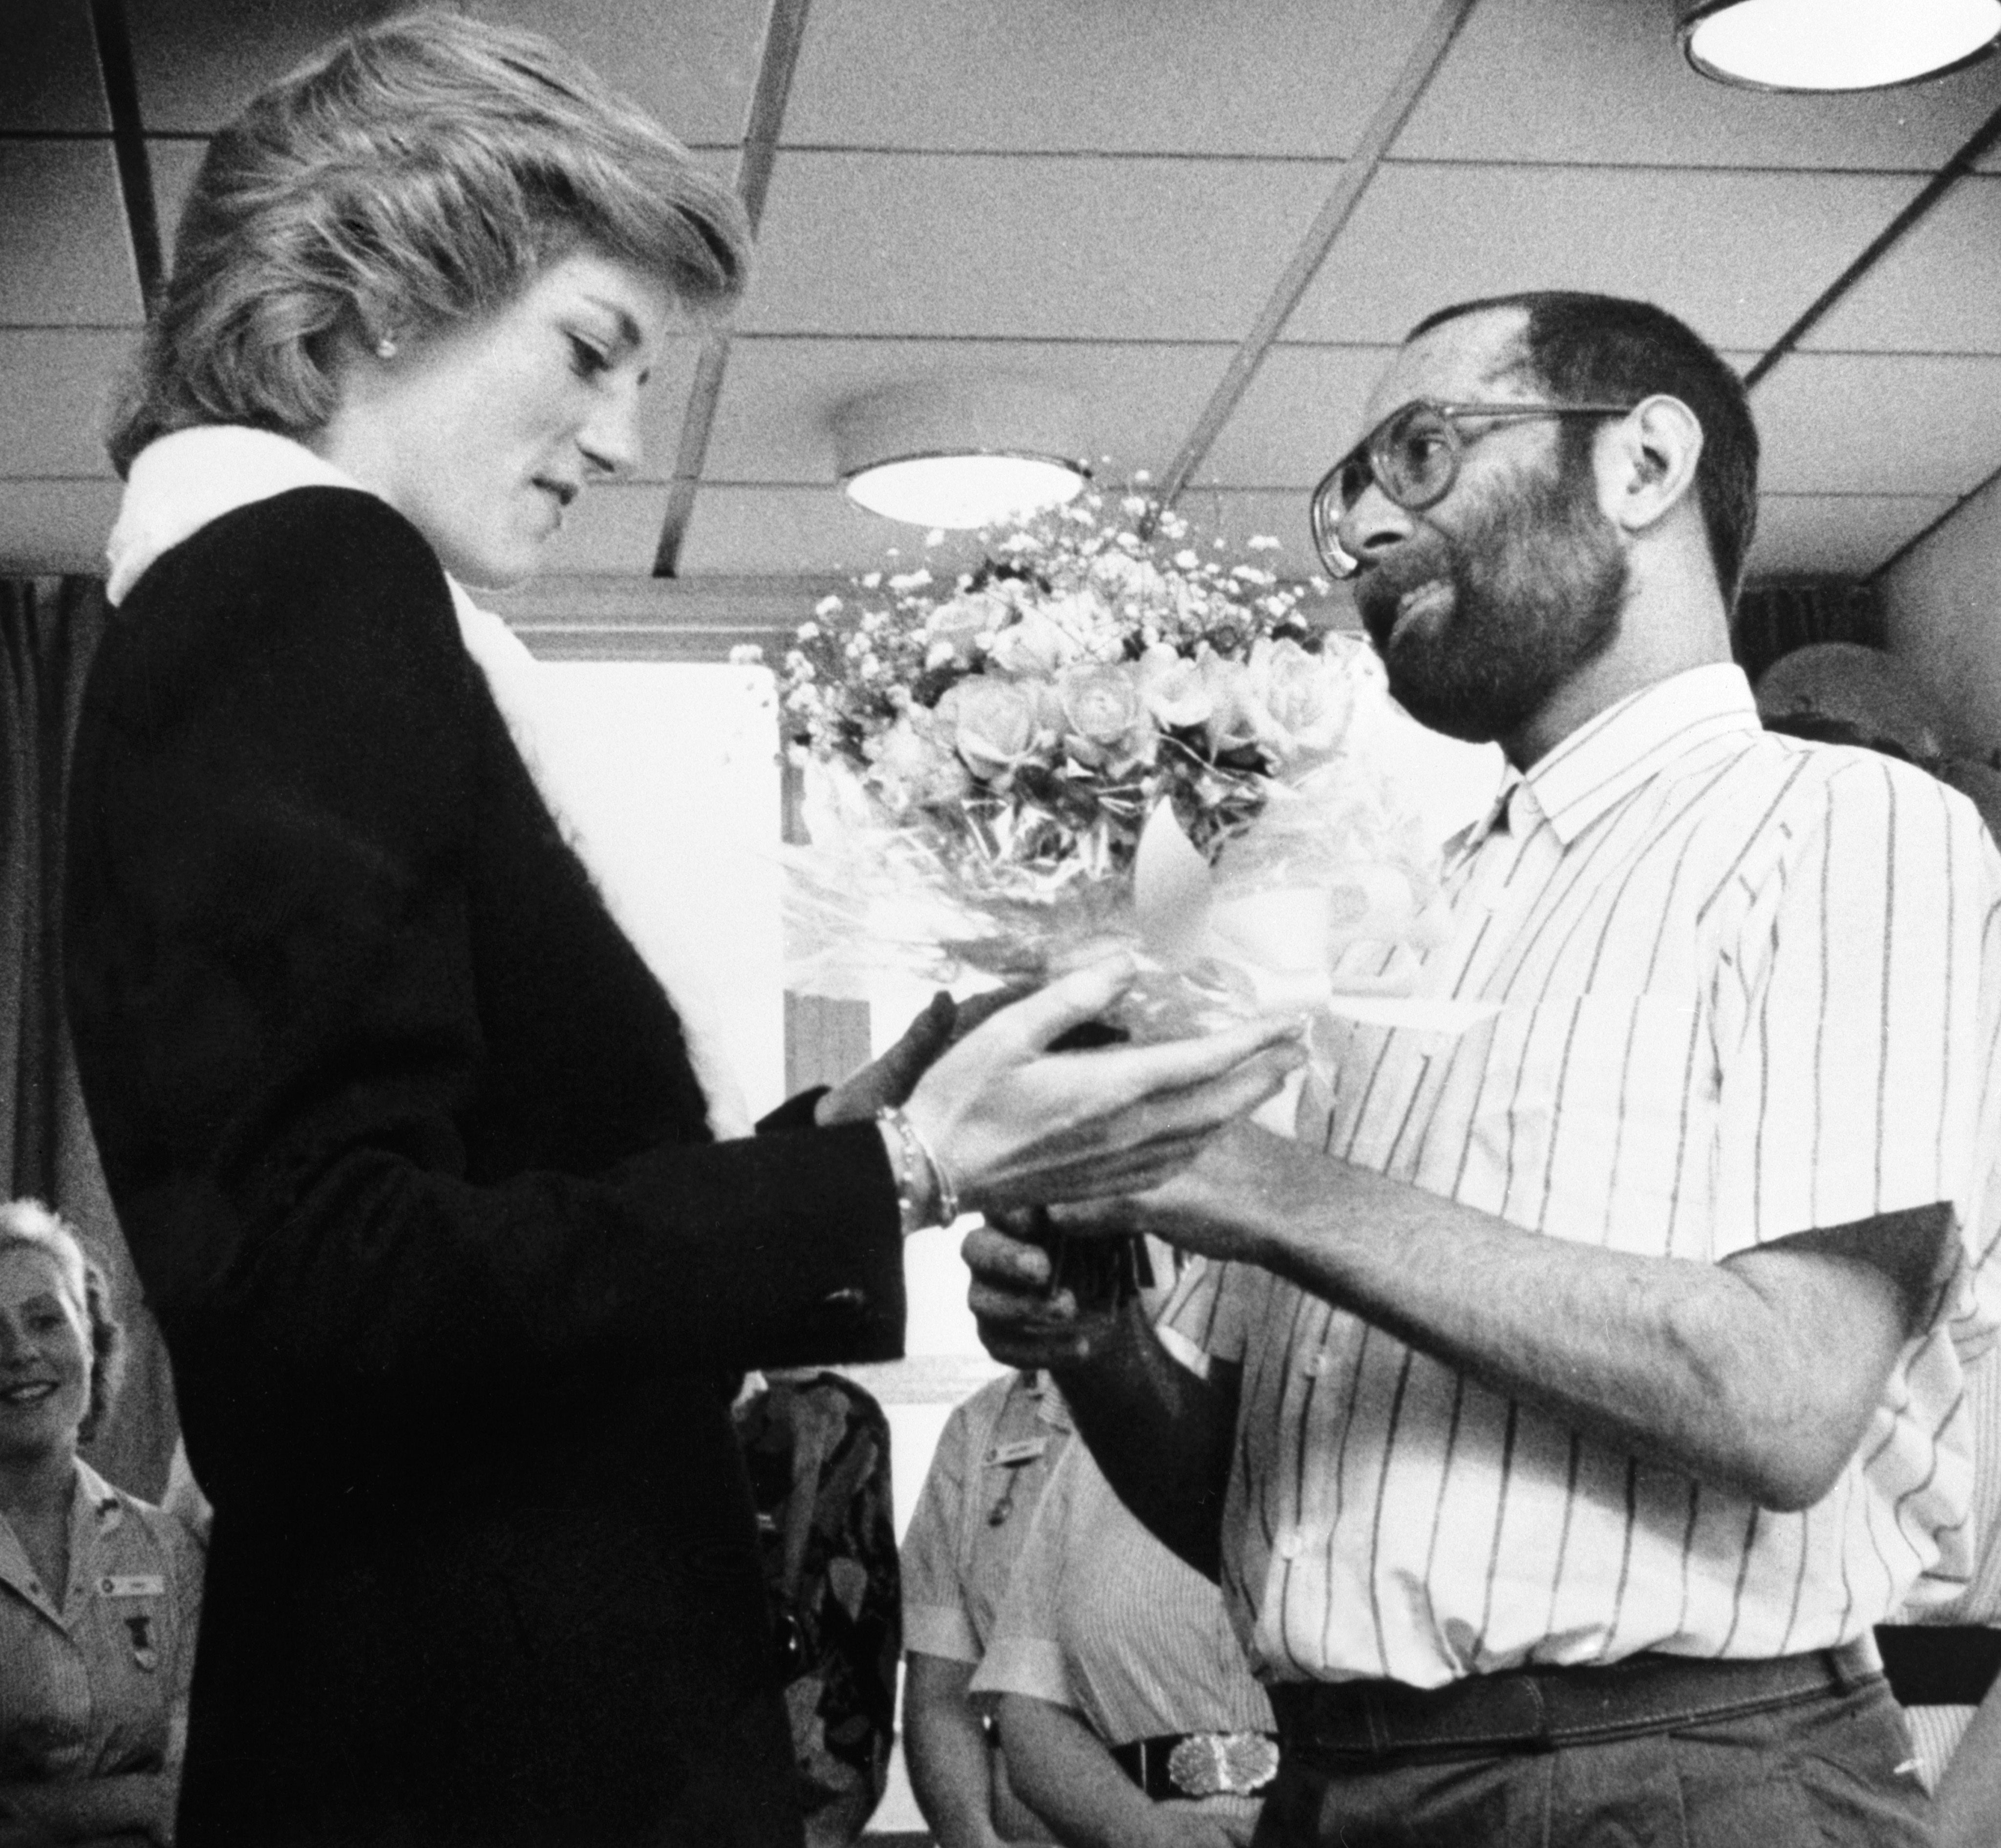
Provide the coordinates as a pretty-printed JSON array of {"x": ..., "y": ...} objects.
[
  {"x": 959, "y": 452},
  {"x": 1835, "y": 44}
]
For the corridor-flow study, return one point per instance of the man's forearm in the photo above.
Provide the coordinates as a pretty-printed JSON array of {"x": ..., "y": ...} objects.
[
  {"x": 1760, "y": 1374},
  {"x": 1162, "y": 1435}
]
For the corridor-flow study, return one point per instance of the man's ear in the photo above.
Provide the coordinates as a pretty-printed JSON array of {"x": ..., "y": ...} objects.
[{"x": 1646, "y": 462}]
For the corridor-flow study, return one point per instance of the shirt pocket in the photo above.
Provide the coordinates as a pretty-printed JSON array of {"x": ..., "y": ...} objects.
[{"x": 1603, "y": 1126}]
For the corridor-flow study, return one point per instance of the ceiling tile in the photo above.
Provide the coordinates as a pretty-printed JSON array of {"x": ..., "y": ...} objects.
[
  {"x": 1303, "y": 409},
  {"x": 1938, "y": 290},
  {"x": 1835, "y": 535},
  {"x": 1261, "y": 77},
  {"x": 693, "y": 64},
  {"x": 49, "y": 79},
  {"x": 1736, "y": 254},
  {"x": 47, "y": 527},
  {"x": 56, "y": 386},
  {"x": 1583, "y": 81},
  {"x": 1034, "y": 247},
  {"x": 65, "y": 256},
  {"x": 198, "y": 62},
  {"x": 772, "y": 421},
  {"x": 753, "y": 531},
  {"x": 1862, "y": 422},
  {"x": 614, "y": 527},
  {"x": 664, "y": 406}
]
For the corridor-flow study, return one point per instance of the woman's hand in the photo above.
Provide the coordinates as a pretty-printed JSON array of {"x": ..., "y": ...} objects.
[
  {"x": 1017, "y": 1127},
  {"x": 890, "y": 1079},
  {"x": 941, "y": 1022}
]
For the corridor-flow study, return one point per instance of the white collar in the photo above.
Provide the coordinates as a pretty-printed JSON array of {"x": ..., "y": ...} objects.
[{"x": 181, "y": 483}]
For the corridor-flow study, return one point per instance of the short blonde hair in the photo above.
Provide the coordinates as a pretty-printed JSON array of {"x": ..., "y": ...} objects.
[
  {"x": 415, "y": 174},
  {"x": 28, "y": 1225}
]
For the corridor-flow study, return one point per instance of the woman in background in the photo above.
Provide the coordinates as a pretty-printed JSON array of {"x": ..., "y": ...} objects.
[
  {"x": 993, "y": 1458},
  {"x": 436, "y": 1183},
  {"x": 100, "y": 1593}
]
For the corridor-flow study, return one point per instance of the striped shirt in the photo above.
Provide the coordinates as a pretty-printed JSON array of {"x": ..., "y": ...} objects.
[
  {"x": 992, "y": 1462},
  {"x": 1100, "y": 1618},
  {"x": 94, "y": 1674},
  {"x": 1744, "y": 986}
]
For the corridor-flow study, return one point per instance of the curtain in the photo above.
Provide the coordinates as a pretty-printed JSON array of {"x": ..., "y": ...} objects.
[
  {"x": 49, "y": 628},
  {"x": 1773, "y": 620}
]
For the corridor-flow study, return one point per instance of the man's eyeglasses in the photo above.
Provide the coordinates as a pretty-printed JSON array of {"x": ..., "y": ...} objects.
[{"x": 1413, "y": 456}]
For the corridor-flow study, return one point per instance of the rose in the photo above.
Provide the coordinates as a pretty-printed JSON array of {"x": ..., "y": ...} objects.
[
  {"x": 909, "y": 766},
  {"x": 1230, "y": 723},
  {"x": 992, "y": 724},
  {"x": 1298, "y": 704},
  {"x": 955, "y": 627},
  {"x": 1105, "y": 722},
  {"x": 1174, "y": 689},
  {"x": 1034, "y": 645}
]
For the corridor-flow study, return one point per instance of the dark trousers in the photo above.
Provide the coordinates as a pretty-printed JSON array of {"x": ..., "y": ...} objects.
[{"x": 1832, "y": 1769}]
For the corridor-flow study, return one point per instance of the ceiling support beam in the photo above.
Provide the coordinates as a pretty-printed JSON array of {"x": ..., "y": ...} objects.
[
  {"x": 128, "y": 146},
  {"x": 785, "y": 29},
  {"x": 1934, "y": 189},
  {"x": 1356, "y": 173}
]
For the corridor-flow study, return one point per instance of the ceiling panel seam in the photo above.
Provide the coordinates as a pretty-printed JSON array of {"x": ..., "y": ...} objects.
[
  {"x": 128, "y": 144},
  {"x": 1356, "y": 174},
  {"x": 785, "y": 29},
  {"x": 1941, "y": 183},
  {"x": 1924, "y": 533}
]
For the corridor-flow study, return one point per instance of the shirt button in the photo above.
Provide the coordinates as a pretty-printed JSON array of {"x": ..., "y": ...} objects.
[
  {"x": 847, "y": 1302},
  {"x": 1315, "y": 1364},
  {"x": 1290, "y": 1543}
]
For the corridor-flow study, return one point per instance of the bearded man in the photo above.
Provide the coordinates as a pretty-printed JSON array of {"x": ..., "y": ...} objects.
[{"x": 1580, "y": 1392}]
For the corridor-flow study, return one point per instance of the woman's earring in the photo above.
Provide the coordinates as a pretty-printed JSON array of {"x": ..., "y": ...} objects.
[{"x": 385, "y": 348}]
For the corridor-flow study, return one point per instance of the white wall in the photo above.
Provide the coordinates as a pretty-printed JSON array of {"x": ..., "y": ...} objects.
[{"x": 1942, "y": 620}]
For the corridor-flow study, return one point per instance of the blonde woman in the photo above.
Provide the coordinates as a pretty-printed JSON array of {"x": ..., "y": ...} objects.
[
  {"x": 100, "y": 1593},
  {"x": 450, "y": 1216}
]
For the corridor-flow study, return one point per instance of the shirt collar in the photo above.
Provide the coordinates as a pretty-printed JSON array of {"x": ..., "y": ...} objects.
[
  {"x": 94, "y": 1510},
  {"x": 1610, "y": 755}
]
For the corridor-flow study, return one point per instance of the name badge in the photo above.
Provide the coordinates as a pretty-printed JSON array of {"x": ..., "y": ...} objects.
[
  {"x": 131, "y": 1585},
  {"x": 1023, "y": 1449}
]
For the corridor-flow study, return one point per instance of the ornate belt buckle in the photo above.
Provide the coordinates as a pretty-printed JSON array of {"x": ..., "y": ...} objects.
[{"x": 1212, "y": 1764}]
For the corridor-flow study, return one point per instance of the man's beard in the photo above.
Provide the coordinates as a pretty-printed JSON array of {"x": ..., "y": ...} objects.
[{"x": 1538, "y": 580}]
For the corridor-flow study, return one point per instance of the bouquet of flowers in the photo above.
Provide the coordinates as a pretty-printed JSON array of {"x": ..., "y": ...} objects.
[{"x": 1108, "y": 735}]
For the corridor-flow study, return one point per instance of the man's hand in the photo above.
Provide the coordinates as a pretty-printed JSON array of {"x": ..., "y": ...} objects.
[
  {"x": 1020, "y": 1321},
  {"x": 1208, "y": 1206}
]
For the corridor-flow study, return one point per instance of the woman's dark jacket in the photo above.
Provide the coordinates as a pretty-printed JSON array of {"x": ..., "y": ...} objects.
[{"x": 403, "y": 1137}]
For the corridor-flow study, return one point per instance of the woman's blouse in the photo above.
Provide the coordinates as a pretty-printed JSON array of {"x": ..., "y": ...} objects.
[
  {"x": 987, "y": 1475},
  {"x": 1100, "y": 1618},
  {"x": 94, "y": 1675}
]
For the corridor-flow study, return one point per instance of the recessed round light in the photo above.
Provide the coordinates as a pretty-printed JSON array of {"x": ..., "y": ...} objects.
[
  {"x": 963, "y": 491},
  {"x": 1835, "y": 44}
]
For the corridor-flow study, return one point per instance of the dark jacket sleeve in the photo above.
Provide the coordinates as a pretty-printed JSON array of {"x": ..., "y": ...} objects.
[{"x": 275, "y": 978}]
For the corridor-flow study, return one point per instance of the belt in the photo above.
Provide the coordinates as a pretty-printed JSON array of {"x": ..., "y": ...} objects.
[
  {"x": 1200, "y": 1764},
  {"x": 1939, "y": 1665},
  {"x": 1534, "y": 1710}
]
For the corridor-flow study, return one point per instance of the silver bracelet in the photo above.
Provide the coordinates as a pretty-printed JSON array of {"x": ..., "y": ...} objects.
[
  {"x": 942, "y": 1195},
  {"x": 947, "y": 1199},
  {"x": 909, "y": 1208}
]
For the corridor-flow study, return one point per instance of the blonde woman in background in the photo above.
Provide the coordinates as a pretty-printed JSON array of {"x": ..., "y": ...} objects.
[{"x": 100, "y": 1593}]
